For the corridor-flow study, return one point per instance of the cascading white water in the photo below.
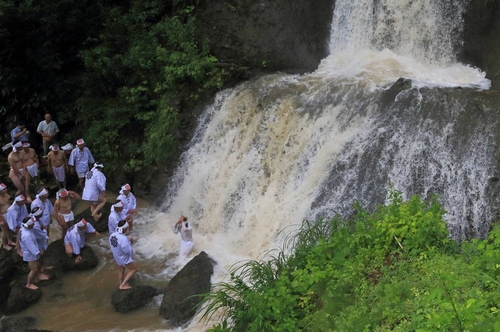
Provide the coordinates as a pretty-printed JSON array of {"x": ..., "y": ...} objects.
[{"x": 274, "y": 151}]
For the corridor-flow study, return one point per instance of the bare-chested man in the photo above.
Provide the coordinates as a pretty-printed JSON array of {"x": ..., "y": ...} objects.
[
  {"x": 57, "y": 163},
  {"x": 7, "y": 242},
  {"x": 62, "y": 209},
  {"x": 30, "y": 160},
  {"x": 17, "y": 170}
]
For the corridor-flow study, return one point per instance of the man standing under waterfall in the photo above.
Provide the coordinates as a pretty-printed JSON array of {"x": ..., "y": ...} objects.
[{"x": 183, "y": 227}]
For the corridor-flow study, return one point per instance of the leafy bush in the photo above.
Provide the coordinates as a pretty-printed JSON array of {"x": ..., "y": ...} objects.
[{"x": 391, "y": 270}]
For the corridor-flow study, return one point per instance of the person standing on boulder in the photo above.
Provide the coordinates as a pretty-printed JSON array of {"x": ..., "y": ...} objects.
[
  {"x": 75, "y": 238},
  {"x": 116, "y": 215},
  {"x": 42, "y": 201},
  {"x": 183, "y": 227},
  {"x": 31, "y": 253},
  {"x": 95, "y": 190},
  {"x": 121, "y": 246},
  {"x": 48, "y": 129},
  {"x": 58, "y": 165}
]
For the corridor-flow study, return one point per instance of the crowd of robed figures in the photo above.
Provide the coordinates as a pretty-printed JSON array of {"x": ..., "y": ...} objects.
[{"x": 31, "y": 229}]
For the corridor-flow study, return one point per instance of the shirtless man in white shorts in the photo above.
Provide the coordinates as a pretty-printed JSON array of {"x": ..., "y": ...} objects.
[
  {"x": 62, "y": 209},
  {"x": 16, "y": 173},
  {"x": 7, "y": 242},
  {"x": 57, "y": 164},
  {"x": 30, "y": 160}
]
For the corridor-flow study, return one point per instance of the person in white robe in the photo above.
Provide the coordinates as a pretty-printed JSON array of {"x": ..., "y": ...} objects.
[
  {"x": 76, "y": 236},
  {"x": 31, "y": 252},
  {"x": 95, "y": 190},
  {"x": 42, "y": 201},
  {"x": 186, "y": 231},
  {"x": 122, "y": 250},
  {"x": 128, "y": 199},
  {"x": 79, "y": 161}
]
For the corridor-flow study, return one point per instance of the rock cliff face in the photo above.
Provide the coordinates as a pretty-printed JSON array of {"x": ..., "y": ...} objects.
[
  {"x": 267, "y": 34},
  {"x": 292, "y": 35},
  {"x": 482, "y": 38}
]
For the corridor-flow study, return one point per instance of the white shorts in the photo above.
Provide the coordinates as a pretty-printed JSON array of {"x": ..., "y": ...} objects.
[
  {"x": 33, "y": 170},
  {"x": 68, "y": 217},
  {"x": 59, "y": 173},
  {"x": 81, "y": 174}
]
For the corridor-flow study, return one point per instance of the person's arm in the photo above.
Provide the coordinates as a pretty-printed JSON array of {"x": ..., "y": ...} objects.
[
  {"x": 36, "y": 158},
  {"x": 91, "y": 158},
  {"x": 49, "y": 162},
  {"x": 18, "y": 134},
  {"x": 55, "y": 213},
  {"x": 65, "y": 161},
  {"x": 74, "y": 195}
]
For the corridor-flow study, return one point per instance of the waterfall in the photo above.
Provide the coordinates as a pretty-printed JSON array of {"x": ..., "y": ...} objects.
[{"x": 389, "y": 105}]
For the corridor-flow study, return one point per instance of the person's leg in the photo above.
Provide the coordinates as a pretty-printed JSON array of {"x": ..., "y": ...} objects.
[
  {"x": 64, "y": 226},
  {"x": 121, "y": 273},
  {"x": 100, "y": 204},
  {"x": 32, "y": 275},
  {"x": 27, "y": 182},
  {"x": 45, "y": 147},
  {"x": 17, "y": 182},
  {"x": 131, "y": 271}
]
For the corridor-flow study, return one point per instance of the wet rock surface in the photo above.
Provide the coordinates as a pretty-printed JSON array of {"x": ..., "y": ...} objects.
[
  {"x": 179, "y": 300},
  {"x": 124, "y": 301},
  {"x": 20, "y": 298}
]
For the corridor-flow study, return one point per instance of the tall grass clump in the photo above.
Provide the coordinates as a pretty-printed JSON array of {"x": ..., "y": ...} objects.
[{"x": 391, "y": 270}]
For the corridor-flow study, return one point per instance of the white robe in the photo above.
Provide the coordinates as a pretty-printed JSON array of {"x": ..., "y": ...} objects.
[
  {"x": 95, "y": 184},
  {"x": 28, "y": 245},
  {"x": 81, "y": 159},
  {"x": 114, "y": 219},
  {"x": 47, "y": 207},
  {"x": 15, "y": 215},
  {"x": 122, "y": 249},
  {"x": 187, "y": 243},
  {"x": 77, "y": 237},
  {"x": 129, "y": 201}
]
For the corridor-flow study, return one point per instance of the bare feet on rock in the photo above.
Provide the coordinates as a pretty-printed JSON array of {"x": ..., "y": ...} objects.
[{"x": 31, "y": 286}]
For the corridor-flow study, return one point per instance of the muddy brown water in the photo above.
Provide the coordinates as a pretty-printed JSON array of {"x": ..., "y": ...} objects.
[{"x": 81, "y": 300}]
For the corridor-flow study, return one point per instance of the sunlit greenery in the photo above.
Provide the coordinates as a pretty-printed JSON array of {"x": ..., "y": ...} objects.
[{"x": 392, "y": 270}]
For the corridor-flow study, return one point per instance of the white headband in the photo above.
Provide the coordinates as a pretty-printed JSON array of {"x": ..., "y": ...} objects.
[{"x": 122, "y": 229}]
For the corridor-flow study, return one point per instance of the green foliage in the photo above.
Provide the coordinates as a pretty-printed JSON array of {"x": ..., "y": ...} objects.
[
  {"x": 142, "y": 71},
  {"x": 353, "y": 275}
]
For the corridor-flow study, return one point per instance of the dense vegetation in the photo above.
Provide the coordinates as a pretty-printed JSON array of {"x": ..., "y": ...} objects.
[
  {"x": 117, "y": 73},
  {"x": 391, "y": 270}
]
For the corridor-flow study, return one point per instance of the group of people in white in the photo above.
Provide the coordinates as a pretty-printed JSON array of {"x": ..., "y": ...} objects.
[{"x": 33, "y": 228}]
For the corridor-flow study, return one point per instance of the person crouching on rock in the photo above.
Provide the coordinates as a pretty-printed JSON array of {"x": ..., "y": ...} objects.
[
  {"x": 75, "y": 238},
  {"x": 187, "y": 244},
  {"x": 121, "y": 246},
  {"x": 31, "y": 253}
]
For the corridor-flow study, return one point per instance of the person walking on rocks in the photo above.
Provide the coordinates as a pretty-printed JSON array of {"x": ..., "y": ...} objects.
[
  {"x": 7, "y": 242},
  {"x": 58, "y": 165},
  {"x": 40, "y": 231},
  {"x": 16, "y": 213},
  {"x": 31, "y": 253},
  {"x": 75, "y": 238},
  {"x": 186, "y": 231},
  {"x": 48, "y": 129},
  {"x": 80, "y": 160},
  {"x": 16, "y": 173},
  {"x": 122, "y": 250},
  {"x": 95, "y": 190},
  {"x": 63, "y": 209}
]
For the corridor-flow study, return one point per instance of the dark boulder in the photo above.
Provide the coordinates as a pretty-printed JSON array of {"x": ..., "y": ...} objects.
[
  {"x": 20, "y": 298},
  {"x": 180, "y": 302},
  {"x": 55, "y": 256},
  {"x": 7, "y": 265},
  {"x": 16, "y": 324},
  {"x": 137, "y": 297}
]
